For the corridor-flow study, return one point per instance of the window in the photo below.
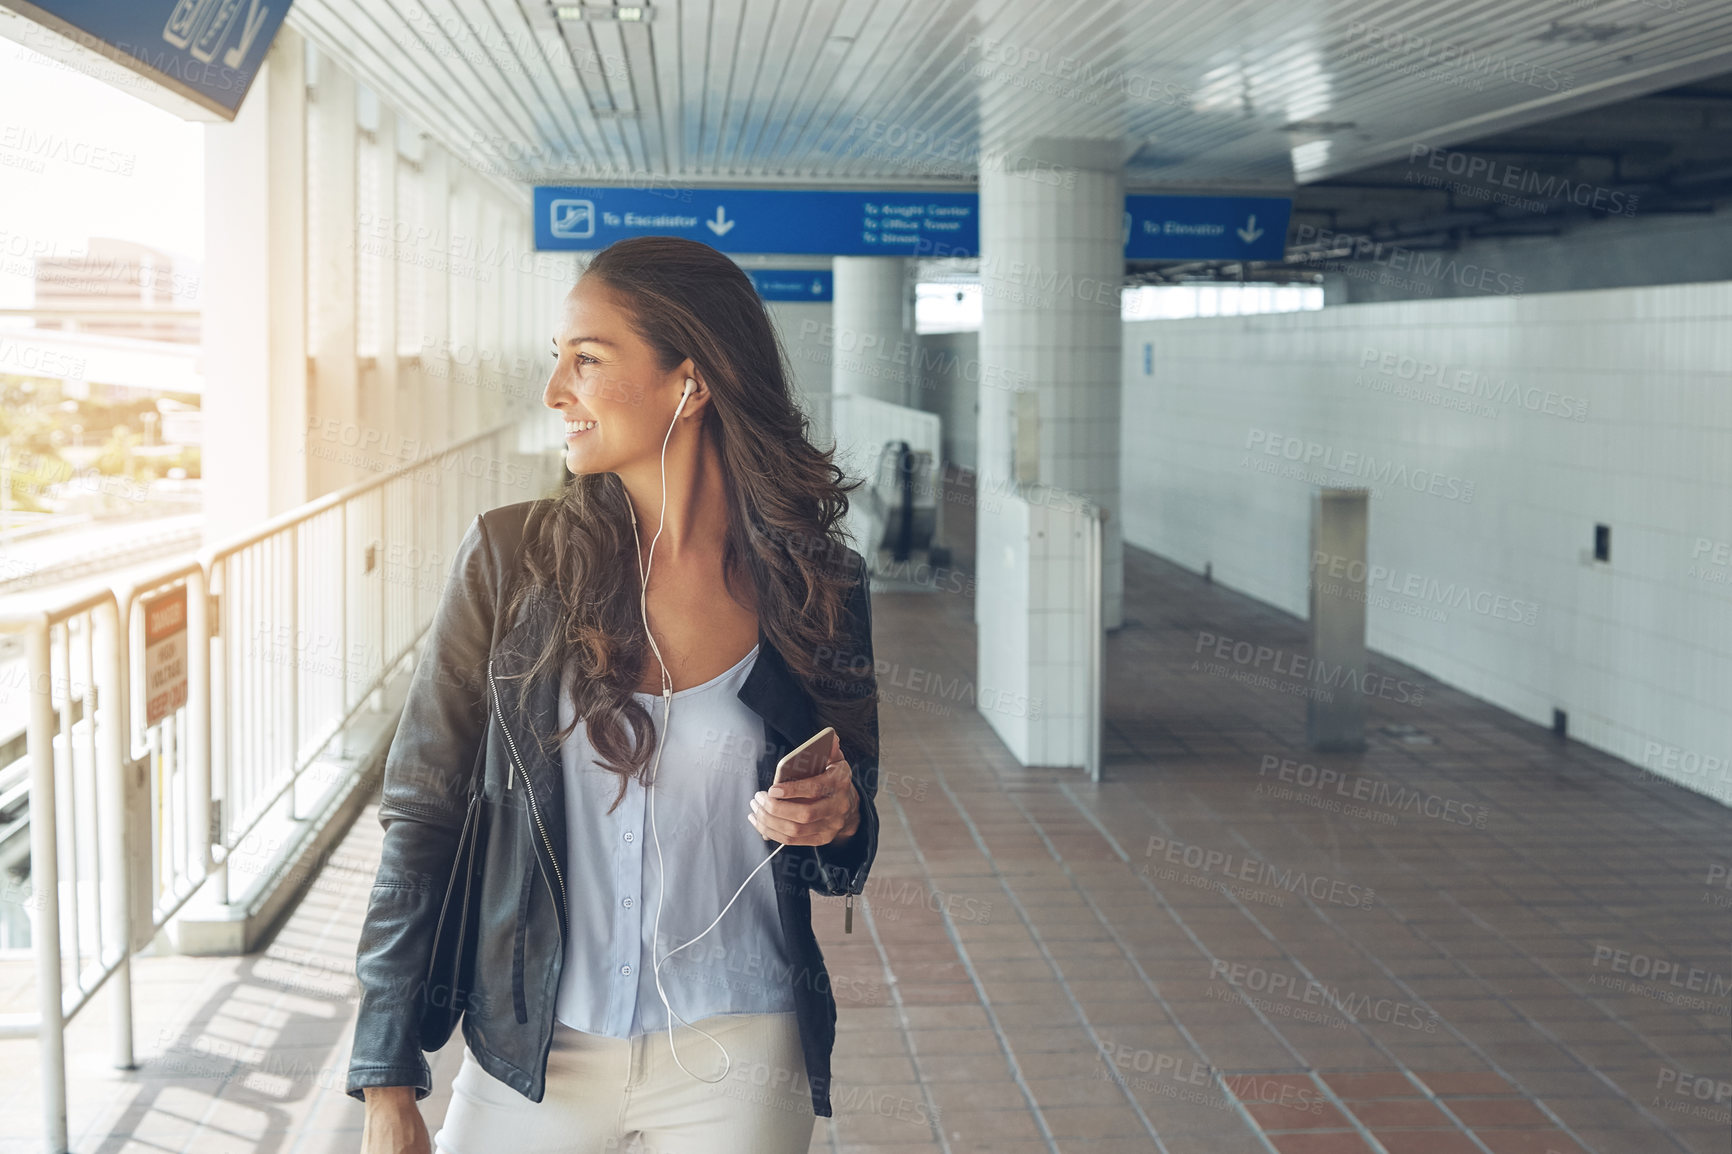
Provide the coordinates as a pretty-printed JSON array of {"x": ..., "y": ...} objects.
[{"x": 1224, "y": 299}]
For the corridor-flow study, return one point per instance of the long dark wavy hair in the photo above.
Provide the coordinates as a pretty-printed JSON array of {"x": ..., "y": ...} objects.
[{"x": 785, "y": 498}]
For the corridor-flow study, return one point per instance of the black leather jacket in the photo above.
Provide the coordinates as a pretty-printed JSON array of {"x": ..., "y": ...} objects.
[{"x": 508, "y": 1016}]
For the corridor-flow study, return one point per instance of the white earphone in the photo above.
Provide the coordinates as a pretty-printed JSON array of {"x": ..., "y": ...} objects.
[{"x": 661, "y": 741}]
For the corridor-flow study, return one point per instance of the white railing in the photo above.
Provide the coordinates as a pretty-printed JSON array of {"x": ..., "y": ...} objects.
[
  {"x": 172, "y": 778},
  {"x": 290, "y": 631},
  {"x": 75, "y": 741}
]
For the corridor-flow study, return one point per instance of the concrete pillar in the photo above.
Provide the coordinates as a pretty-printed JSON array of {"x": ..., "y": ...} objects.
[
  {"x": 1334, "y": 707},
  {"x": 492, "y": 272},
  {"x": 871, "y": 356},
  {"x": 379, "y": 395},
  {"x": 331, "y": 251},
  {"x": 433, "y": 232},
  {"x": 255, "y": 459},
  {"x": 513, "y": 303},
  {"x": 460, "y": 279},
  {"x": 874, "y": 337},
  {"x": 1052, "y": 259}
]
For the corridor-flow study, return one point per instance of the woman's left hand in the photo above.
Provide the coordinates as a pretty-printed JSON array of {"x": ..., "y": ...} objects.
[{"x": 817, "y": 810}]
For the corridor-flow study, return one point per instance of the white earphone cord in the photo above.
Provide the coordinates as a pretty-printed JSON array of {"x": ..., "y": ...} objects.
[{"x": 661, "y": 741}]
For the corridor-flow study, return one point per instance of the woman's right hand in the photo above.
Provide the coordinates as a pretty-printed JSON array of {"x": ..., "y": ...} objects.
[{"x": 393, "y": 1122}]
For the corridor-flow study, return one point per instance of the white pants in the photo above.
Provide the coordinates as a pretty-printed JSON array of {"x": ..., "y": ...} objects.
[{"x": 613, "y": 1095}]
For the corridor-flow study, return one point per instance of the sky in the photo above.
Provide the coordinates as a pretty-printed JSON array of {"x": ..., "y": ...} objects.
[{"x": 79, "y": 158}]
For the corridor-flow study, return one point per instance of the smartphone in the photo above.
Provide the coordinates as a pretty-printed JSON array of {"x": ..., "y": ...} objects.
[{"x": 808, "y": 760}]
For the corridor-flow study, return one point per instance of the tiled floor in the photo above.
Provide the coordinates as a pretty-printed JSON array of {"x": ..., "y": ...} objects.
[{"x": 1473, "y": 937}]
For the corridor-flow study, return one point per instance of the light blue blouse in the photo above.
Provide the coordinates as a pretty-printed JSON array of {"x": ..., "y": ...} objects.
[{"x": 708, "y": 775}]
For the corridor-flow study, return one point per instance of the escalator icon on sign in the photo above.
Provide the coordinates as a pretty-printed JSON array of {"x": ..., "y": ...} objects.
[
  {"x": 571, "y": 219},
  {"x": 201, "y": 27}
]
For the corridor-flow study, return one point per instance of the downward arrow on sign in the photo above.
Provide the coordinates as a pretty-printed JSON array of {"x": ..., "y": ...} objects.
[
  {"x": 1250, "y": 232},
  {"x": 721, "y": 225}
]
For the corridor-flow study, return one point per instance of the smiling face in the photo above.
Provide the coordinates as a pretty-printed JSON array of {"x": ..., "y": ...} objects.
[{"x": 616, "y": 401}]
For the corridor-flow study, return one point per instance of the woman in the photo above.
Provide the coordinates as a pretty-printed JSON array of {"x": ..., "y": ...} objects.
[{"x": 573, "y": 651}]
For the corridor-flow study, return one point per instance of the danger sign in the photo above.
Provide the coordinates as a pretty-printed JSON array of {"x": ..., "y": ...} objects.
[{"x": 164, "y": 654}]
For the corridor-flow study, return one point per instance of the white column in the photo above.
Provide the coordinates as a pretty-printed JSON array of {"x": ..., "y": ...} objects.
[
  {"x": 873, "y": 337},
  {"x": 492, "y": 271},
  {"x": 255, "y": 460},
  {"x": 871, "y": 355},
  {"x": 432, "y": 251},
  {"x": 331, "y": 269},
  {"x": 463, "y": 222},
  {"x": 382, "y": 401},
  {"x": 1052, "y": 259},
  {"x": 533, "y": 326},
  {"x": 507, "y": 385}
]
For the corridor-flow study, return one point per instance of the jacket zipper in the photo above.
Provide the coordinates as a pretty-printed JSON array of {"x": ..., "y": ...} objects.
[{"x": 534, "y": 810}]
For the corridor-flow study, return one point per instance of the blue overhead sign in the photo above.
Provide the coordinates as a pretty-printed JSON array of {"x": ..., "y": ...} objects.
[
  {"x": 887, "y": 223},
  {"x": 763, "y": 220},
  {"x": 793, "y": 284},
  {"x": 207, "y": 51},
  {"x": 1206, "y": 227}
]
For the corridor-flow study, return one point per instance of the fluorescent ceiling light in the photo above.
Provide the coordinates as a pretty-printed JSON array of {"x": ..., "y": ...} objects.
[{"x": 625, "y": 14}]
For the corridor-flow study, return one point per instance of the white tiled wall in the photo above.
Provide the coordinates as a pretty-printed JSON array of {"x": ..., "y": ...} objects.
[
  {"x": 1637, "y": 651},
  {"x": 1002, "y": 580},
  {"x": 1033, "y": 655},
  {"x": 1052, "y": 257},
  {"x": 863, "y": 424},
  {"x": 805, "y": 332},
  {"x": 1058, "y": 635},
  {"x": 947, "y": 382}
]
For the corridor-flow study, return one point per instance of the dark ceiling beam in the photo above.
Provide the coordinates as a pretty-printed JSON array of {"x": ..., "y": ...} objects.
[
  {"x": 1680, "y": 210},
  {"x": 1612, "y": 154},
  {"x": 1703, "y": 176},
  {"x": 1376, "y": 186},
  {"x": 1361, "y": 202},
  {"x": 1681, "y": 194},
  {"x": 1686, "y": 95},
  {"x": 1492, "y": 232}
]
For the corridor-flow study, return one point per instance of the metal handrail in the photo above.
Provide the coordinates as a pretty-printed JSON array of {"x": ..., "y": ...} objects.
[
  {"x": 311, "y": 509},
  {"x": 142, "y": 313},
  {"x": 82, "y": 812}
]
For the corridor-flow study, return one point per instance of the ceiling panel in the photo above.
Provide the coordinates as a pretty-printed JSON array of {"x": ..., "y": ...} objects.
[{"x": 1202, "y": 93}]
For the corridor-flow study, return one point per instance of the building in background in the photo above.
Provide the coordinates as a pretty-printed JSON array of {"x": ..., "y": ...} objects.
[{"x": 113, "y": 276}]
